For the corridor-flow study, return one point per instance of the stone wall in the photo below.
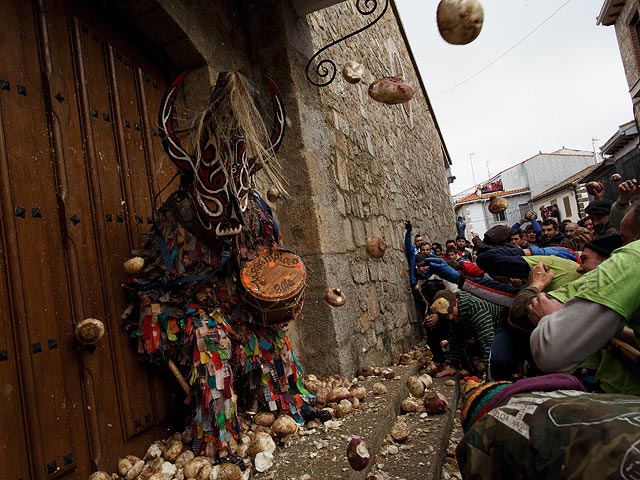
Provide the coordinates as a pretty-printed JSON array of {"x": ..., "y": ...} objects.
[
  {"x": 629, "y": 45},
  {"x": 371, "y": 167}
]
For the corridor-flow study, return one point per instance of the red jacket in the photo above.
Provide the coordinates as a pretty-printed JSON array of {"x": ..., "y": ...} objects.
[{"x": 470, "y": 269}]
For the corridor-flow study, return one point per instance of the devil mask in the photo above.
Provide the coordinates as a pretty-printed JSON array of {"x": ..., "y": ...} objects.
[{"x": 230, "y": 144}]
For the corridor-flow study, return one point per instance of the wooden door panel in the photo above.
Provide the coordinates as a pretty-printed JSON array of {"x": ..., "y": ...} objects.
[
  {"x": 96, "y": 281},
  {"x": 141, "y": 404},
  {"x": 163, "y": 170},
  {"x": 134, "y": 161},
  {"x": 14, "y": 462},
  {"x": 77, "y": 191},
  {"x": 110, "y": 163},
  {"x": 137, "y": 141},
  {"x": 40, "y": 310},
  {"x": 144, "y": 399},
  {"x": 73, "y": 143}
]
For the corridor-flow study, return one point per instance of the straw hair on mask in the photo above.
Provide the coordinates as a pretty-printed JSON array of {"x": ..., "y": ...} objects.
[{"x": 232, "y": 113}]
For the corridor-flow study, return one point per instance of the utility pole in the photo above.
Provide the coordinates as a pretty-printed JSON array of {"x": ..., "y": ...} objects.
[
  {"x": 596, "y": 155},
  {"x": 473, "y": 173},
  {"x": 488, "y": 172}
]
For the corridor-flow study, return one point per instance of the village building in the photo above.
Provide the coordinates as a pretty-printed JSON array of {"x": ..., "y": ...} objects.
[
  {"x": 620, "y": 155},
  {"x": 569, "y": 196},
  {"x": 625, "y": 18},
  {"x": 519, "y": 185}
]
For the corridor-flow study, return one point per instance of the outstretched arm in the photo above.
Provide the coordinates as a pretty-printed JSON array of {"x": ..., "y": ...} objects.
[
  {"x": 626, "y": 190},
  {"x": 410, "y": 252},
  {"x": 504, "y": 262},
  {"x": 408, "y": 239},
  {"x": 495, "y": 292},
  {"x": 485, "y": 288},
  {"x": 566, "y": 337}
]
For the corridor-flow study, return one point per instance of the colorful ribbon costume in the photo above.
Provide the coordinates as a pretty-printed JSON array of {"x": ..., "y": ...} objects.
[{"x": 189, "y": 293}]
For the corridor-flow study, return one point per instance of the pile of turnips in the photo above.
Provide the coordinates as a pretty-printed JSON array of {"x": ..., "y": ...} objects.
[
  {"x": 172, "y": 459},
  {"x": 262, "y": 432},
  {"x": 421, "y": 391},
  {"x": 340, "y": 396}
]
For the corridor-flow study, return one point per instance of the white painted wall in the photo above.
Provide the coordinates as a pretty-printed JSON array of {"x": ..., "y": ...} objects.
[
  {"x": 479, "y": 219},
  {"x": 475, "y": 218},
  {"x": 558, "y": 199},
  {"x": 514, "y": 178},
  {"x": 538, "y": 173},
  {"x": 544, "y": 171}
]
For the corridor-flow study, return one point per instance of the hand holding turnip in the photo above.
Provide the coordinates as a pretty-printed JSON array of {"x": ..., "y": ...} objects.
[
  {"x": 431, "y": 320},
  {"x": 596, "y": 189},
  {"x": 626, "y": 190}
]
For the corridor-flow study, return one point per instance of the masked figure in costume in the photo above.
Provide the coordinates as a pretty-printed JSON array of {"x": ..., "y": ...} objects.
[{"x": 217, "y": 288}]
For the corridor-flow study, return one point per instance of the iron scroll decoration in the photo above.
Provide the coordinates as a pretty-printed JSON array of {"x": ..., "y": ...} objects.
[{"x": 326, "y": 69}]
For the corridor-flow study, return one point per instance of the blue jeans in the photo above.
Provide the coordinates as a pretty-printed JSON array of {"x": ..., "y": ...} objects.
[{"x": 509, "y": 349}]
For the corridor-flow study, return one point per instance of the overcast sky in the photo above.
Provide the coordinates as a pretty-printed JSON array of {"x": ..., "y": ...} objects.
[{"x": 562, "y": 86}]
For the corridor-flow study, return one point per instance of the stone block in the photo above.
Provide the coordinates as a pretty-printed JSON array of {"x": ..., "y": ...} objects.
[
  {"x": 359, "y": 273},
  {"x": 373, "y": 309},
  {"x": 364, "y": 323},
  {"x": 359, "y": 232},
  {"x": 349, "y": 243},
  {"x": 373, "y": 271},
  {"x": 341, "y": 172}
]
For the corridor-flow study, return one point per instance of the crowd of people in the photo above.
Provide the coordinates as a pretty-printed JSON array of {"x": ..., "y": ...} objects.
[{"x": 536, "y": 297}]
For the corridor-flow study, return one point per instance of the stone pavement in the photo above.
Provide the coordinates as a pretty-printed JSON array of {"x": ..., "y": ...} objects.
[{"x": 321, "y": 453}]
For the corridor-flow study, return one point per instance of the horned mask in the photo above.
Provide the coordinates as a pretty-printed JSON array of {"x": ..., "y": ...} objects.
[{"x": 229, "y": 144}]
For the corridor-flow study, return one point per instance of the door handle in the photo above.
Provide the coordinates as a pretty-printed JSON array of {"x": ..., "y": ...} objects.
[{"x": 89, "y": 331}]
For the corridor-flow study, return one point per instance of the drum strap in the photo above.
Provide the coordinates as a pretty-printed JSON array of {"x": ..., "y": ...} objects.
[
  {"x": 224, "y": 256},
  {"x": 168, "y": 263},
  {"x": 274, "y": 376},
  {"x": 267, "y": 208},
  {"x": 164, "y": 250}
]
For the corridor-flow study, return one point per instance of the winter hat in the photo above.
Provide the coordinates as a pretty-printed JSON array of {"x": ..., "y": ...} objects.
[
  {"x": 496, "y": 236},
  {"x": 475, "y": 399},
  {"x": 599, "y": 207},
  {"x": 524, "y": 226},
  {"x": 419, "y": 259},
  {"x": 518, "y": 314},
  {"x": 604, "y": 246},
  {"x": 443, "y": 302}
]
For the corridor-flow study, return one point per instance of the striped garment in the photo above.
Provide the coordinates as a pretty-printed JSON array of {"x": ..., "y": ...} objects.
[{"x": 478, "y": 319}]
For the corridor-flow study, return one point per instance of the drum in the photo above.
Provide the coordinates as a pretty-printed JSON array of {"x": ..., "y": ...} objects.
[{"x": 274, "y": 286}]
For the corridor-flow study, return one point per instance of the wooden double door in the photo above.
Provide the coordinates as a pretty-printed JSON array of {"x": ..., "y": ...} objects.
[{"x": 80, "y": 164}]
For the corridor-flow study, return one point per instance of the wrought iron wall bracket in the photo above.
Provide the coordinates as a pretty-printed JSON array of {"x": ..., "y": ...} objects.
[{"x": 325, "y": 70}]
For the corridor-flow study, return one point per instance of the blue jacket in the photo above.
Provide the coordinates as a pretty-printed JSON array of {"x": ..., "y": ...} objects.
[{"x": 411, "y": 252}]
